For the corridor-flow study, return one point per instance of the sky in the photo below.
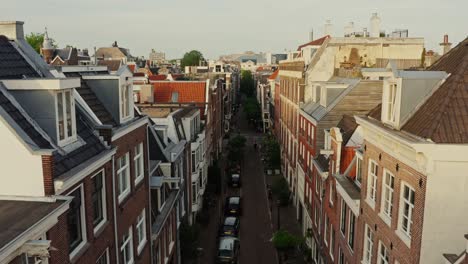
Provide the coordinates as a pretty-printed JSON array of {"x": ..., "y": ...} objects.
[{"x": 217, "y": 27}]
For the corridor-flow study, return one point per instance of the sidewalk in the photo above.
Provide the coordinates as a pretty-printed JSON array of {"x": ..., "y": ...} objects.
[{"x": 287, "y": 221}]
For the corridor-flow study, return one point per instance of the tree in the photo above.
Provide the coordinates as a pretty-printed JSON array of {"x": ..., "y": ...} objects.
[
  {"x": 280, "y": 189},
  {"x": 36, "y": 40},
  {"x": 272, "y": 151},
  {"x": 192, "y": 58},
  {"x": 189, "y": 240},
  {"x": 283, "y": 240},
  {"x": 236, "y": 148},
  {"x": 247, "y": 84},
  {"x": 252, "y": 109}
]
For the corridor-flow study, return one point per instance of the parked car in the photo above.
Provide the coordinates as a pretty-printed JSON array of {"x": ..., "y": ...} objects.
[
  {"x": 235, "y": 180},
  {"x": 231, "y": 226},
  {"x": 233, "y": 206},
  {"x": 228, "y": 250}
]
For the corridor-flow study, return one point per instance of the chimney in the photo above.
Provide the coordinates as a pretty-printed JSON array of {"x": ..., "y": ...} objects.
[
  {"x": 311, "y": 35},
  {"x": 328, "y": 28},
  {"x": 375, "y": 26},
  {"x": 445, "y": 46},
  {"x": 12, "y": 29}
]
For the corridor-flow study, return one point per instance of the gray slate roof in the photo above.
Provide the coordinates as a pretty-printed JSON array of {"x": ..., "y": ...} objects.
[{"x": 12, "y": 64}]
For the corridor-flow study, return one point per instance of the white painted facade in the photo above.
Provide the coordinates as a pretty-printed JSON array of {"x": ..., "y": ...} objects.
[{"x": 22, "y": 170}]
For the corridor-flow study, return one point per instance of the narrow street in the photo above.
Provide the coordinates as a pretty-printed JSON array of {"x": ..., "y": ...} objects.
[{"x": 256, "y": 224}]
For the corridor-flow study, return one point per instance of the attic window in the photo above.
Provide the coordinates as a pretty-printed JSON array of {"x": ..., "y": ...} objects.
[
  {"x": 390, "y": 113},
  {"x": 65, "y": 110},
  {"x": 125, "y": 101}
]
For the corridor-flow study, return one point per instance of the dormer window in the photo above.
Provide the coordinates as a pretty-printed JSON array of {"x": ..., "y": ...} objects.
[
  {"x": 125, "y": 101},
  {"x": 66, "y": 125},
  {"x": 391, "y": 103}
]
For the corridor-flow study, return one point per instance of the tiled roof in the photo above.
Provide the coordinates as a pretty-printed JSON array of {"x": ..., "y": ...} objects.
[
  {"x": 12, "y": 63},
  {"x": 91, "y": 148},
  {"x": 322, "y": 161},
  {"x": 188, "y": 91},
  {"x": 112, "y": 65},
  {"x": 274, "y": 75},
  {"x": 347, "y": 125},
  {"x": 111, "y": 52},
  {"x": 159, "y": 77},
  {"x": 443, "y": 118},
  {"x": 177, "y": 76},
  {"x": 22, "y": 122},
  {"x": 314, "y": 42},
  {"x": 93, "y": 102}
]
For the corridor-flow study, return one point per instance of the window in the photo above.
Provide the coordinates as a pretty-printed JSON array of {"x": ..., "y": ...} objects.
[
  {"x": 76, "y": 222},
  {"x": 368, "y": 245},
  {"x": 406, "y": 209},
  {"x": 387, "y": 201},
  {"x": 127, "y": 247},
  {"x": 372, "y": 183},
  {"x": 66, "y": 127},
  {"x": 332, "y": 193},
  {"x": 194, "y": 162},
  {"x": 383, "y": 257},
  {"x": 123, "y": 176},
  {"x": 351, "y": 222},
  {"x": 341, "y": 259},
  {"x": 98, "y": 200},
  {"x": 141, "y": 231},
  {"x": 325, "y": 230},
  {"x": 138, "y": 163},
  {"x": 391, "y": 103},
  {"x": 125, "y": 102},
  {"x": 358, "y": 179},
  {"x": 343, "y": 217},
  {"x": 25, "y": 259},
  {"x": 332, "y": 241},
  {"x": 194, "y": 192},
  {"x": 104, "y": 258}
]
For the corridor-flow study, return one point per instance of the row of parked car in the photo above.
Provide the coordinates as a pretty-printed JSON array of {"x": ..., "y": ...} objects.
[{"x": 229, "y": 243}]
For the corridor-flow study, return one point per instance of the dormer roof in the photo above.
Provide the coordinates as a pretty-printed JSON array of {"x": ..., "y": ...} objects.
[
  {"x": 316, "y": 42},
  {"x": 443, "y": 117}
]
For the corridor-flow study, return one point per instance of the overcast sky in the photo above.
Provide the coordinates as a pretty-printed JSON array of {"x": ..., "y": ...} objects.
[{"x": 218, "y": 27}]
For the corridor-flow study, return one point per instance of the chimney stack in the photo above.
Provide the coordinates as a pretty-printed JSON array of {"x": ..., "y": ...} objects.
[
  {"x": 446, "y": 45},
  {"x": 375, "y": 26},
  {"x": 12, "y": 29},
  {"x": 311, "y": 35},
  {"x": 328, "y": 28}
]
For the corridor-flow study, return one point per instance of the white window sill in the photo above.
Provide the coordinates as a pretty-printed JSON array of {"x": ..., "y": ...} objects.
[
  {"x": 124, "y": 195},
  {"x": 78, "y": 250},
  {"x": 386, "y": 219},
  {"x": 404, "y": 237},
  {"x": 99, "y": 227},
  {"x": 141, "y": 246},
  {"x": 139, "y": 179},
  {"x": 371, "y": 203}
]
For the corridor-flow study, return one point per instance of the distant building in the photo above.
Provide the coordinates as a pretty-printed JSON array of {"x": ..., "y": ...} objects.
[
  {"x": 156, "y": 58},
  {"x": 114, "y": 53},
  {"x": 65, "y": 56}
]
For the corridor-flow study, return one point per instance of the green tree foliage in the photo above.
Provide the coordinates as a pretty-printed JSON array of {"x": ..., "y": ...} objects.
[
  {"x": 280, "y": 189},
  {"x": 189, "y": 240},
  {"x": 283, "y": 240},
  {"x": 36, "y": 40},
  {"x": 236, "y": 148},
  {"x": 214, "y": 177},
  {"x": 192, "y": 58},
  {"x": 272, "y": 151},
  {"x": 252, "y": 109},
  {"x": 247, "y": 84}
]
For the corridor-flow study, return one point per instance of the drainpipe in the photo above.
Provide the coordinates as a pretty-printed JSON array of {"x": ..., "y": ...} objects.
[{"x": 115, "y": 212}]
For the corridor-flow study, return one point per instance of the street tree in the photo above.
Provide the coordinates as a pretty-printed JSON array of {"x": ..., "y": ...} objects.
[
  {"x": 236, "y": 148},
  {"x": 247, "y": 84},
  {"x": 192, "y": 58}
]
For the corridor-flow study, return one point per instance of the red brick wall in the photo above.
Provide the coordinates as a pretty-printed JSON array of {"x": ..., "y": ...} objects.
[
  {"x": 132, "y": 206},
  {"x": 48, "y": 173},
  {"x": 382, "y": 232},
  {"x": 98, "y": 243}
]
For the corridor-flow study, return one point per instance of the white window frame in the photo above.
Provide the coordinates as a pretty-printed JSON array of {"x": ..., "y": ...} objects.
[
  {"x": 406, "y": 234},
  {"x": 141, "y": 226},
  {"x": 104, "y": 203},
  {"x": 105, "y": 253},
  {"x": 368, "y": 245},
  {"x": 343, "y": 217},
  {"x": 66, "y": 139},
  {"x": 123, "y": 174},
  {"x": 358, "y": 171},
  {"x": 83, "y": 222},
  {"x": 371, "y": 195},
  {"x": 391, "y": 103},
  {"x": 325, "y": 231},
  {"x": 138, "y": 162},
  {"x": 129, "y": 240},
  {"x": 126, "y": 101},
  {"x": 331, "y": 193},
  {"x": 351, "y": 226},
  {"x": 383, "y": 258},
  {"x": 386, "y": 208},
  {"x": 332, "y": 241}
]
